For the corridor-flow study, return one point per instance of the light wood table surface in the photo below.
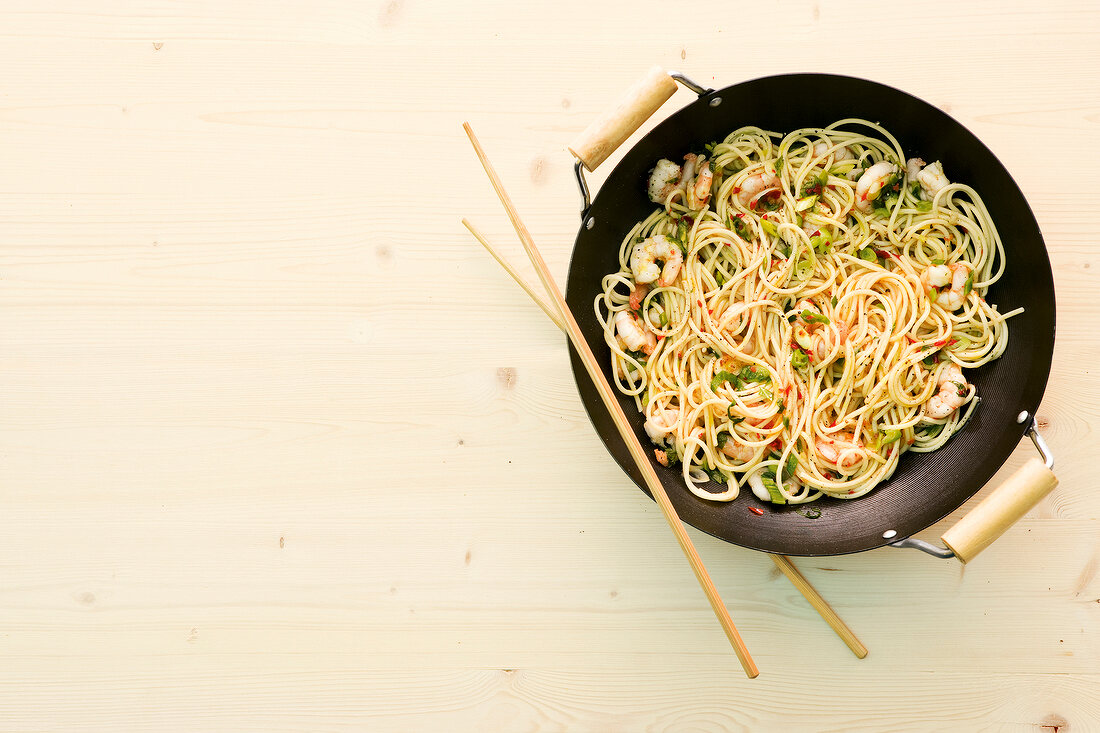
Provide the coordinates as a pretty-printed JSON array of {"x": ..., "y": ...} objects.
[{"x": 282, "y": 449}]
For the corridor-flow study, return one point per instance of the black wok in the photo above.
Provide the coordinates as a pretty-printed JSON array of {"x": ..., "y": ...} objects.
[{"x": 925, "y": 487}]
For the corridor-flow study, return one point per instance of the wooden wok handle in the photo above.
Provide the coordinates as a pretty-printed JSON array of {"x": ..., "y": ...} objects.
[
  {"x": 1000, "y": 510},
  {"x": 607, "y": 132}
]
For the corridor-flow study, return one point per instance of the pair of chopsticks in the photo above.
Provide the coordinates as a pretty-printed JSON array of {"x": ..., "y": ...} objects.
[{"x": 558, "y": 312}]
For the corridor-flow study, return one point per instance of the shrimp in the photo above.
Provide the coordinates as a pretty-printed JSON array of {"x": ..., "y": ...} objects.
[
  {"x": 664, "y": 179},
  {"x": 932, "y": 179},
  {"x": 623, "y": 368},
  {"x": 637, "y": 295},
  {"x": 697, "y": 194},
  {"x": 643, "y": 261},
  {"x": 841, "y": 153},
  {"x": 842, "y": 450},
  {"x": 912, "y": 168},
  {"x": 738, "y": 451},
  {"x": 939, "y": 276},
  {"x": 871, "y": 183},
  {"x": 660, "y": 425},
  {"x": 756, "y": 185},
  {"x": 760, "y": 491},
  {"x": 952, "y": 395},
  {"x": 816, "y": 337},
  {"x": 634, "y": 335}
]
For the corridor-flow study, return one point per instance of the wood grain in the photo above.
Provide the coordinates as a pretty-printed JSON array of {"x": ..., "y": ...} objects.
[{"x": 281, "y": 449}]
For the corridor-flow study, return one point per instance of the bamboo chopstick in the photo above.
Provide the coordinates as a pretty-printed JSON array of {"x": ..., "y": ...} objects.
[
  {"x": 820, "y": 604},
  {"x": 636, "y": 450},
  {"x": 782, "y": 562},
  {"x": 549, "y": 310}
]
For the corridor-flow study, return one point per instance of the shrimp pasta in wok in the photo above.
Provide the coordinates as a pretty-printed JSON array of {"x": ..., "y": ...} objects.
[{"x": 800, "y": 311}]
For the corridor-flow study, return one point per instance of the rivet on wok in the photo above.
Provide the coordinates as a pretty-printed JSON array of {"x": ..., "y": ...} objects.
[
  {"x": 590, "y": 223},
  {"x": 889, "y": 534},
  {"x": 715, "y": 102},
  {"x": 1021, "y": 417}
]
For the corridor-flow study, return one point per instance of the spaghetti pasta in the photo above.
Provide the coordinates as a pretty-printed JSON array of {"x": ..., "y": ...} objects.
[{"x": 797, "y": 313}]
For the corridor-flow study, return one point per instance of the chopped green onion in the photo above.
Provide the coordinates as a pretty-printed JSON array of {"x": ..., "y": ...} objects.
[
  {"x": 752, "y": 374},
  {"x": 778, "y": 165},
  {"x": 773, "y": 489},
  {"x": 937, "y": 261},
  {"x": 891, "y": 201},
  {"x": 969, "y": 285},
  {"x": 924, "y": 206},
  {"x": 810, "y": 317},
  {"x": 806, "y": 202},
  {"x": 820, "y": 243},
  {"x": 803, "y": 269},
  {"x": 722, "y": 377},
  {"x": 834, "y": 301},
  {"x": 933, "y": 295},
  {"x": 664, "y": 319},
  {"x": 931, "y": 431},
  {"x": 881, "y": 212},
  {"x": 802, "y": 337},
  {"x": 868, "y": 254},
  {"x": 791, "y": 465},
  {"x": 769, "y": 228},
  {"x": 891, "y": 436}
]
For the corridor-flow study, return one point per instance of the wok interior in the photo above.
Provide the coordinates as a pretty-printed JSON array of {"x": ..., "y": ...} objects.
[{"x": 925, "y": 487}]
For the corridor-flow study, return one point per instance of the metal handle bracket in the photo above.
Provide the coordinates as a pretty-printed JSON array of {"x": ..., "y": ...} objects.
[{"x": 578, "y": 167}]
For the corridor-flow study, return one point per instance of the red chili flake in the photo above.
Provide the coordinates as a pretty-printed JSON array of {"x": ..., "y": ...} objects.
[
  {"x": 756, "y": 510},
  {"x": 911, "y": 339},
  {"x": 952, "y": 342},
  {"x": 680, "y": 354},
  {"x": 739, "y": 216},
  {"x": 941, "y": 342},
  {"x": 911, "y": 441},
  {"x": 710, "y": 311},
  {"x": 700, "y": 303},
  {"x": 817, "y": 233},
  {"x": 689, "y": 220},
  {"x": 660, "y": 336},
  {"x": 738, "y": 190},
  {"x": 884, "y": 253}
]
